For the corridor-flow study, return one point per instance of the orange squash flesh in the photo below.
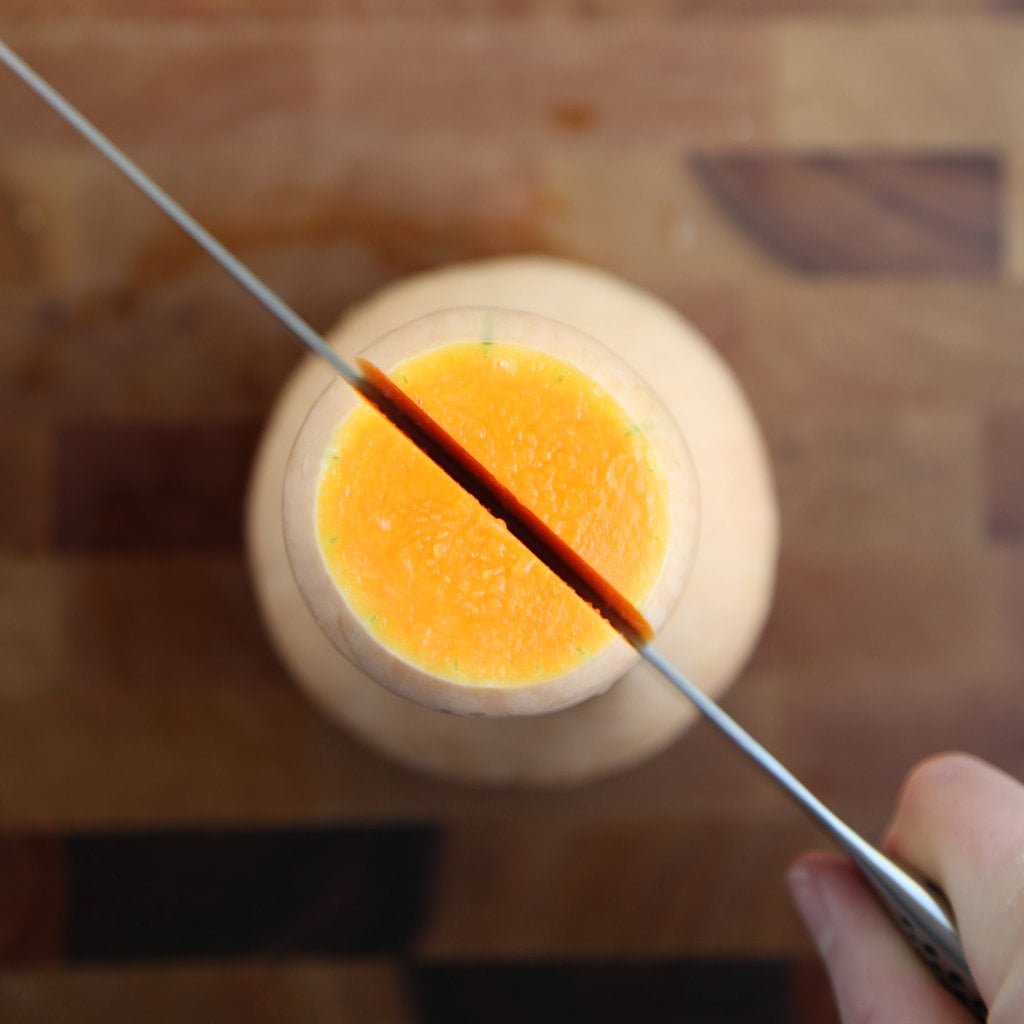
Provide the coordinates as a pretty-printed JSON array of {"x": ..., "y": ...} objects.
[
  {"x": 497, "y": 497},
  {"x": 440, "y": 581}
]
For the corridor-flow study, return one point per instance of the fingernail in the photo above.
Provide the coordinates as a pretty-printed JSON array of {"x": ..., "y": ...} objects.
[{"x": 813, "y": 908}]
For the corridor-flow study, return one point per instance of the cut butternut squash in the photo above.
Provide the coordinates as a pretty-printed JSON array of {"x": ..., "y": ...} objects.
[{"x": 709, "y": 635}]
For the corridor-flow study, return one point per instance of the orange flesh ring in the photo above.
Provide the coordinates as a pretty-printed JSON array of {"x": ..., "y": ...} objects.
[
  {"x": 434, "y": 576},
  {"x": 500, "y": 501}
]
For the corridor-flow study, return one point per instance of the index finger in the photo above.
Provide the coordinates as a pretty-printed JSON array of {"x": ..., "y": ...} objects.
[{"x": 960, "y": 821}]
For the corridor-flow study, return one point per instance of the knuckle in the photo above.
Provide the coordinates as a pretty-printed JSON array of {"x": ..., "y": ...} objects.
[
  {"x": 934, "y": 775},
  {"x": 924, "y": 797}
]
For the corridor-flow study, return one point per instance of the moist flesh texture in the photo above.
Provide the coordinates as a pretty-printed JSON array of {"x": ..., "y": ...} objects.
[{"x": 436, "y": 578}]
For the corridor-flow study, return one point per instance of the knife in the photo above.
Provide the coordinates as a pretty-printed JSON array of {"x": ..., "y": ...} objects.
[{"x": 923, "y": 916}]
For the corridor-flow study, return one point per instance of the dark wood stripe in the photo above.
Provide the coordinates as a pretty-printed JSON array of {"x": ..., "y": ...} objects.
[
  {"x": 133, "y": 486},
  {"x": 26, "y": 453},
  {"x": 705, "y": 991},
  {"x": 145, "y": 896},
  {"x": 32, "y": 899},
  {"x": 865, "y": 215}
]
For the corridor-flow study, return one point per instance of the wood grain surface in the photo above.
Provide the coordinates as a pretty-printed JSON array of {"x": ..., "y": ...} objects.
[{"x": 833, "y": 192}]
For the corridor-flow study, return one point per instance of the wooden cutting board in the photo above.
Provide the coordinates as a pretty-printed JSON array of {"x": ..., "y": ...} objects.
[{"x": 833, "y": 193}]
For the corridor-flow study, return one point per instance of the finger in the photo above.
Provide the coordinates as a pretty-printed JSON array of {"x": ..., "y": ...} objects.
[
  {"x": 961, "y": 822},
  {"x": 876, "y": 977}
]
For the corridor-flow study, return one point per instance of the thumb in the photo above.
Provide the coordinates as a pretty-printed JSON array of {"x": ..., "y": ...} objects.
[{"x": 876, "y": 977}]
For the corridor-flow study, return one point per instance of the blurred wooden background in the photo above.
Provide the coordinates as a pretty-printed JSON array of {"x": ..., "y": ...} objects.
[{"x": 833, "y": 191}]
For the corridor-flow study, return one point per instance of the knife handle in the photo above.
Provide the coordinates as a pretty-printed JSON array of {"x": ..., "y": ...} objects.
[
  {"x": 922, "y": 913},
  {"x": 923, "y": 916}
]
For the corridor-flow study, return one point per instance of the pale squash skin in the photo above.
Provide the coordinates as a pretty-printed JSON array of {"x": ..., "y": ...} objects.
[
  {"x": 348, "y": 632},
  {"x": 715, "y": 624}
]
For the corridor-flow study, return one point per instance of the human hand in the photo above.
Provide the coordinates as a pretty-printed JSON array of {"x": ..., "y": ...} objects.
[{"x": 960, "y": 822}]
